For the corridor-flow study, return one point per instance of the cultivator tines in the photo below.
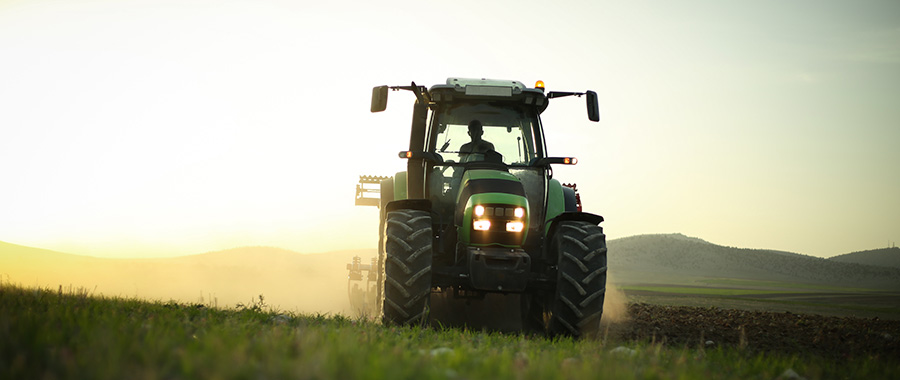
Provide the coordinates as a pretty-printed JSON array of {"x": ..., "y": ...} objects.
[
  {"x": 368, "y": 190},
  {"x": 361, "y": 285}
]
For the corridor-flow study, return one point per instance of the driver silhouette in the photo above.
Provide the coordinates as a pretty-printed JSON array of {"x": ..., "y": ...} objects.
[{"x": 477, "y": 145}]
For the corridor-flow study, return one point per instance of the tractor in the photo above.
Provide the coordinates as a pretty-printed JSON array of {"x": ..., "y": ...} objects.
[{"x": 477, "y": 213}]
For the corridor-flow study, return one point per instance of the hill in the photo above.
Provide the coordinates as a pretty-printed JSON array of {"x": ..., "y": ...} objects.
[
  {"x": 313, "y": 283},
  {"x": 675, "y": 258},
  {"x": 884, "y": 257}
]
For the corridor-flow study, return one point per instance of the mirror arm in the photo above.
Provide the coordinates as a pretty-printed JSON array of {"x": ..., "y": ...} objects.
[
  {"x": 560, "y": 94},
  {"x": 431, "y": 157},
  {"x": 420, "y": 91}
]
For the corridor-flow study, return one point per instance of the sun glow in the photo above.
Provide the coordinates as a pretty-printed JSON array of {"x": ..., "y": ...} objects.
[{"x": 155, "y": 128}]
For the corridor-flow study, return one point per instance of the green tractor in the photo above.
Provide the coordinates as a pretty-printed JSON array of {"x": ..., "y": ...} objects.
[{"x": 478, "y": 213}]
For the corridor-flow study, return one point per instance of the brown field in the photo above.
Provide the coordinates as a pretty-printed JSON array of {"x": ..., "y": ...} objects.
[
  {"x": 860, "y": 304},
  {"x": 760, "y": 331}
]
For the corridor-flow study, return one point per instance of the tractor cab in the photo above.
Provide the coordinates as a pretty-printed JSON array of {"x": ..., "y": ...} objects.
[
  {"x": 509, "y": 124},
  {"x": 471, "y": 135},
  {"x": 484, "y": 124}
]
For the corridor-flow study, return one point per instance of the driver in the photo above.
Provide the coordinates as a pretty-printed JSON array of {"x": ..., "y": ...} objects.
[{"x": 477, "y": 145}]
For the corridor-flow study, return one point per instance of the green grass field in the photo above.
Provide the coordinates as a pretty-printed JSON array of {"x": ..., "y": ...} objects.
[
  {"x": 794, "y": 286},
  {"x": 69, "y": 334},
  {"x": 770, "y": 296},
  {"x": 702, "y": 291}
]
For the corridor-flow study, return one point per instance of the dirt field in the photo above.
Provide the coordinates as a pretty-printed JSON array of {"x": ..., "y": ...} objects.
[
  {"x": 862, "y": 304},
  {"x": 760, "y": 331}
]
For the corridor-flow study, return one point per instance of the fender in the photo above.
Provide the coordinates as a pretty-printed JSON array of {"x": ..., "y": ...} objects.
[
  {"x": 571, "y": 199},
  {"x": 553, "y": 224},
  {"x": 408, "y": 204},
  {"x": 399, "y": 189},
  {"x": 387, "y": 193},
  {"x": 578, "y": 216}
]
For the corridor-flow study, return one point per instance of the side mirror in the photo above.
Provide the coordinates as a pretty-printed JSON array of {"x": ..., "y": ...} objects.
[
  {"x": 593, "y": 108},
  {"x": 379, "y": 98}
]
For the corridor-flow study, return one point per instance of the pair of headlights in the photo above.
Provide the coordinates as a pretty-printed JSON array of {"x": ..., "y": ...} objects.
[{"x": 483, "y": 213}]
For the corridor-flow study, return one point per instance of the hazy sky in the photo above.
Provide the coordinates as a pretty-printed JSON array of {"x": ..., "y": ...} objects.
[{"x": 159, "y": 128}]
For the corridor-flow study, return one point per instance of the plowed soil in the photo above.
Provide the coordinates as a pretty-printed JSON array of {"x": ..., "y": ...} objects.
[{"x": 761, "y": 331}]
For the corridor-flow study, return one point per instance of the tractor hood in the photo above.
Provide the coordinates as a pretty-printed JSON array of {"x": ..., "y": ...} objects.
[{"x": 501, "y": 197}]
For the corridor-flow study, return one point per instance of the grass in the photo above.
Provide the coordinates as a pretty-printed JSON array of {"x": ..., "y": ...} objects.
[
  {"x": 770, "y": 295},
  {"x": 780, "y": 285},
  {"x": 887, "y": 310},
  {"x": 702, "y": 291},
  {"x": 71, "y": 334}
]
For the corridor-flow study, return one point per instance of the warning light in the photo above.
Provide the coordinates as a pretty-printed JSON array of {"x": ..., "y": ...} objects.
[{"x": 539, "y": 84}]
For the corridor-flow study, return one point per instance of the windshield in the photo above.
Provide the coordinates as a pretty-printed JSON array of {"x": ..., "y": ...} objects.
[{"x": 507, "y": 128}]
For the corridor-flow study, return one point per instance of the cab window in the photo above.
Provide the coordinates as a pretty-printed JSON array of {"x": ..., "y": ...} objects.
[{"x": 508, "y": 127}]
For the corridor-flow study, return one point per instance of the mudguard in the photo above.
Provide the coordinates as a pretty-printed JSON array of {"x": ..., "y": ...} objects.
[
  {"x": 400, "y": 186},
  {"x": 408, "y": 204},
  {"x": 571, "y": 199},
  {"x": 556, "y": 203},
  {"x": 398, "y": 199},
  {"x": 552, "y": 224}
]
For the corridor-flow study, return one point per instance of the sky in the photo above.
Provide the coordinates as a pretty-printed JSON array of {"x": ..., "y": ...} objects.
[{"x": 135, "y": 128}]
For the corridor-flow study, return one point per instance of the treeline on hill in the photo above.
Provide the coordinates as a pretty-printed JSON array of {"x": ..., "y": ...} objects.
[
  {"x": 676, "y": 254},
  {"x": 886, "y": 257}
]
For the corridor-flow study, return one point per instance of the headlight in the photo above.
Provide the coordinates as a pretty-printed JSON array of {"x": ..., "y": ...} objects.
[
  {"x": 482, "y": 225},
  {"x": 510, "y": 218},
  {"x": 515, "y": 226}
]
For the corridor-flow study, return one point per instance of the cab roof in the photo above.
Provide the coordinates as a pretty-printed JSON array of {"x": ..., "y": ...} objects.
[{"x": 488, "y": 89}]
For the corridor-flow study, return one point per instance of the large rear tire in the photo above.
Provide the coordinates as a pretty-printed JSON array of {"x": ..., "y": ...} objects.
[
  {"x": 407, "y": 266},
  {"x": 577, "y": 304}
]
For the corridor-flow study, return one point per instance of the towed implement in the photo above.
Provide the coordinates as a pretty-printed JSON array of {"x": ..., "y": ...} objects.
[
  {"x": 361, "y": 285},
  {"x": 478, "y": 217}
]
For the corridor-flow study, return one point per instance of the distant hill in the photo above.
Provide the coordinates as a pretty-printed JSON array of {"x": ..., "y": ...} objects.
[
  {"x": 313, "y": 283},
  {"x": 675, "y": 258},
  {"x": 884, "y": 257}
]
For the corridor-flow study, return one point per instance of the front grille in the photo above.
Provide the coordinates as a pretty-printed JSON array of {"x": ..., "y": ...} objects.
[{"x": 499, "y": 215}]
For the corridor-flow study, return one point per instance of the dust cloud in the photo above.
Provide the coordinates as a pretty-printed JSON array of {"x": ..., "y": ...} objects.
[
  {"x": 287, "y": 281},
  {"x": 615, "y": 305}
]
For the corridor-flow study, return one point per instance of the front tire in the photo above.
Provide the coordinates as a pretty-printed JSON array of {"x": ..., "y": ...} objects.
[
  {"x": 577, "y": 304},
  {"x": 407, "y": 266}
]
